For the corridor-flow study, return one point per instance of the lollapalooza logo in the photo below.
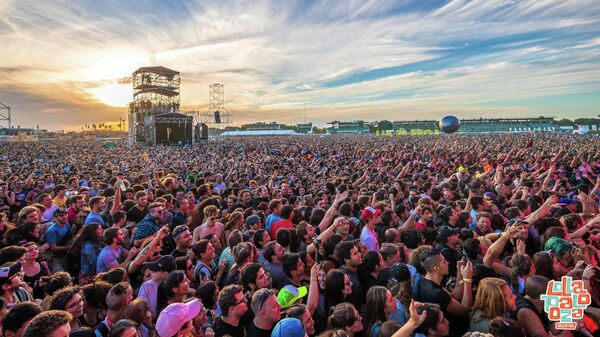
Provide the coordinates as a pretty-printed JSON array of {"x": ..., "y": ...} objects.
[{"x": 565, "y": 302}]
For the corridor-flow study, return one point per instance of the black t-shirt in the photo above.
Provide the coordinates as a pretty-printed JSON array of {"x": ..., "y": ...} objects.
[
  {"x": 254, "y": 331},
  {"x": 134, "y": 214},
  {"x": 221, "y": 328},
  {"x": 452, "y": 256},
  {"x": 175, "y": 253},
  {"x": 430, "y": 292},
  {"x": 356, "y": 297}
]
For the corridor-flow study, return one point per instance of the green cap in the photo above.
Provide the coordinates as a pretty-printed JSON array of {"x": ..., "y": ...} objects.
[
  {"x": 289, "y": 294},
  {"x": 192, "y": 178}
]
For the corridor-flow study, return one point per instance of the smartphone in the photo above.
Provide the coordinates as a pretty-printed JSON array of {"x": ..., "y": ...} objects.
[{"x": 316, "y": 242}]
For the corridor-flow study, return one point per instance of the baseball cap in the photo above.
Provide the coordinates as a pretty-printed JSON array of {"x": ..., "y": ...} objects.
[
  {"x": 288, "y": 327},
  {"x": 252, "y": 220},
  {"x": 567, "y": 201},
  {"x": 175, "y": 315},
  {"x": 164, "y": 263},
  {"x": 399, "y": 272},
  {"x": 489, "y": 196},
  {"x": 9, "y": 271},
  {"x": 369, "y": 212},
  {"x": 192, "y": 178},
  {"x": 444, "y": 232},
  {"x": 60, "y": 211},
  {"x": 289, "y": 294},
  {"x": 515, "y": 221}
]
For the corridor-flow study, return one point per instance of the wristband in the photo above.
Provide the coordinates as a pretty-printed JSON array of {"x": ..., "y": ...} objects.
[{"x": 465, "y": 280}]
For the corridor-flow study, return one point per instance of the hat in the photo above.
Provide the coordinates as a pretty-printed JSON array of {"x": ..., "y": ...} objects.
[
  {"x": 164, "y": 263},
  {"x": 175, "y": 315},
  {"x": 369, "y": 212},
  {"x": 489, "y": 196},
  {"x": 252, "y": 220},
  {"x": 289, "y": 294},
  {"x": 444, "y": 232},
  {"x": 567, "y": 201},
  {"x": 288, "y": 327},
  {"x": 60, "y": 211},
  {"x": 516, "y": 220},
  {"x": 9, "y": 271},
  {"x": 399, "y": 272},
  {"x": 192, "y": 178}
]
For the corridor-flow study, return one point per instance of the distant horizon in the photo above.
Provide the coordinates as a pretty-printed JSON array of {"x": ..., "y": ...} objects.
[
  {"x": 325, "y": 125},
  {"x": 65, "y": 66}
]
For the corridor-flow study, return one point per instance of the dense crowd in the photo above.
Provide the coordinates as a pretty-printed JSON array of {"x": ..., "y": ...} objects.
[{"x": 426, "y": 236}]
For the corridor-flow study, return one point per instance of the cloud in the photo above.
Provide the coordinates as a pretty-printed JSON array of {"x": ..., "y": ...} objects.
[{"x": 345, "y": 59}]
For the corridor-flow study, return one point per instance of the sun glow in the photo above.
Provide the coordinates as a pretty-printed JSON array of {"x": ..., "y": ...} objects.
[{"x": 113, "y": 94}]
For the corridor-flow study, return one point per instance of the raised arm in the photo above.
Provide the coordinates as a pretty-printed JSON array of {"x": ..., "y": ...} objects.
[
  {"x": 313, "y": 289},
  {"x": 408, "y": 329},
  {"x": 117, "y": 198},
  {"x": 328, "y": 218}
]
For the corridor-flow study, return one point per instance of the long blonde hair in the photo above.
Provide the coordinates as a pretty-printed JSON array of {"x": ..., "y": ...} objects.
[{"x": 490, "y": 298}]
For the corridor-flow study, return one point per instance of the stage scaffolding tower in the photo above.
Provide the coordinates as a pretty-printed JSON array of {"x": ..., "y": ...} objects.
[
  {"x": 155, "y": 93},
  {"x": 217, "y": 115},
  {"x": 5, "y": 115}
]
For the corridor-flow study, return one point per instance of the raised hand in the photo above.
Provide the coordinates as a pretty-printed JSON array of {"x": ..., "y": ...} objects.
[
  {"x": 467, "y": 270},
  {"x": 415, "y": 318},
  {"x": 520, "y": 247}
]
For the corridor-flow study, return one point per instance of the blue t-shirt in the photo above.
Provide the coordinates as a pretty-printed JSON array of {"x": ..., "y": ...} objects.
[
  {"x": 108, "y": 258},
  {"x": 400, "y": 315},
  {"x": 271, "y": 219},
  {"x": 55, "y": 233},
  {"x": 95, "y": 218}
]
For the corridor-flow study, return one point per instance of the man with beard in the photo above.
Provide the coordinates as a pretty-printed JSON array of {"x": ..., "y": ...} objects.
[
  {"x": 183, "y": 241},
  {"x": 150, "y": 224},
  {"x": 139, "y": 211},
  {"x": 77, "y": 203},
  {"x": 113, "y": 254}
]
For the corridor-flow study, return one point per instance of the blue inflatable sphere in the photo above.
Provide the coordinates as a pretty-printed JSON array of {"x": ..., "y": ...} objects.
[{"x": 449, "y": 124}]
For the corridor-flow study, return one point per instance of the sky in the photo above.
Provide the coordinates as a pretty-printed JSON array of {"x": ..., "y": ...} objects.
[{"x": 64, "y": 64}]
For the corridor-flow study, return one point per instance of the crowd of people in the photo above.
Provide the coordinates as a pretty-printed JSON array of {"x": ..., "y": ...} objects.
[{"x": 341, "y": 236}]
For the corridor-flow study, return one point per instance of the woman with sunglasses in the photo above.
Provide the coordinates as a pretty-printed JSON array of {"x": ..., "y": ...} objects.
[
  {"x": 186, "y": 265},
  {"x": 337, "y": 287}
]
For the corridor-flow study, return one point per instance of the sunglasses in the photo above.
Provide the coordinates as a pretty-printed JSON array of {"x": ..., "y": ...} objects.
[
  {"x": 263, "y": 298},
  {"x": 243, "y": 300}
]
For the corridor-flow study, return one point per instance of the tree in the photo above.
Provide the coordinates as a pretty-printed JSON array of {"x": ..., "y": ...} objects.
[
  {"x": 385, "y": 125},
  {"x": 319, "y": 130},
  {"x": 565, "y": 122}
]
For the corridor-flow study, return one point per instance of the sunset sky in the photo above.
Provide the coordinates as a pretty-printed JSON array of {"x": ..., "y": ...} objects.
[{"x": 68, "y": 63}]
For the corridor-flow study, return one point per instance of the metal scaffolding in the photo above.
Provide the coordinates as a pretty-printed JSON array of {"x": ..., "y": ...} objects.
[
  {"x": 155, "y": 93},
  {"x": 5, "y": 116},
  {"x": 217, "y": 115}
]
